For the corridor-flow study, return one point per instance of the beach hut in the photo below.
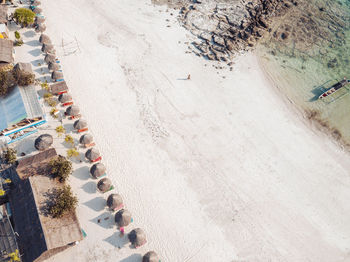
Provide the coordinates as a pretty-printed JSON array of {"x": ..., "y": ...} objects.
[
  {"x": 43, "y": 142},
  {"x": 3, "y": 14},
  {"x": 40, "y": 28},
  {"x": 53, "y": 66},
  {"x": 104, "y": 185},
  {"x": 137, "y": 237},
  {"x": 80, "y": 124},
  {"x": 57, "y": 75},
  {"x": 123, "y": 218},
  {"x": 93, "y": 155},
  {"x": 39, "y": 20},
  {"x": 59, "y": 88},
  {"x": 73, "y": 110},
  {"x": 48, "y": 49},
  {"x": 50, "y": 58},
  {"x": 115, "y": 202},
  {"x": 87, "y": 140},
  {"x": 150, "y": 256},
  {"x": 65, "y": 99},
  {"x": 98, "y": 170},
  {"x": 6, "y": 52},
  {"x": 37, "y": 10},
  {"x": 44, "y": 39}
]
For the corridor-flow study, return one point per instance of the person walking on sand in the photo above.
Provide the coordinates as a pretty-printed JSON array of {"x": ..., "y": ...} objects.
[
  {"x": 189, "y": 77},
  {"x": 121, "y": 229}
]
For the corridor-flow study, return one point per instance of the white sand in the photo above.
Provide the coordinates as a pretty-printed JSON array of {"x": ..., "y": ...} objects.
[{"x": 212, "y": 169}]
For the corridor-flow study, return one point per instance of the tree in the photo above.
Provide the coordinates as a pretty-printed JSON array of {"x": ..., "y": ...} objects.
[
  {"x": 61, "y": 168},
  {"x": 11, "y": 156},
  {"x": 64, "y": 202},
  {"x": 17, "y": 35},
  {"x": 7, "y": 82},
  {"x": 60, "y": 130},
  {"x": 24, "y": 17},
  {"x": 23, "y": 78}
]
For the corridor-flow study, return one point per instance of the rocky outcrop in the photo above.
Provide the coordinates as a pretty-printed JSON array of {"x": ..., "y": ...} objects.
[{"x": 226, "y": 27}]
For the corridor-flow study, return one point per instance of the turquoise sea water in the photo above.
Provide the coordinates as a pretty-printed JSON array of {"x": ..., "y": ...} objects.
[{"x": 307, "y": 51}]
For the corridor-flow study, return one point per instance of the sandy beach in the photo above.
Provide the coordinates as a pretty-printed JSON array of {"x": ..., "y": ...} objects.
[{"x": 216, "y": 168}]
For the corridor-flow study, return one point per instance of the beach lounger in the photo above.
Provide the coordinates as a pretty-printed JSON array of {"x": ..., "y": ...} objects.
[
  {"x": 59, "y": 80},
  {"x": 96, "y": 160},
  {"x": 83, "y": 130},
  {"x": 67, "y": 104},
  {"x": 74, "y": 117},
  {"x": 89, "y": 145}
]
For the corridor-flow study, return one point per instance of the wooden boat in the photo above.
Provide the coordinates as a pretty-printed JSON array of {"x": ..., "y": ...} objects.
[{"x": 334, "y": 88}]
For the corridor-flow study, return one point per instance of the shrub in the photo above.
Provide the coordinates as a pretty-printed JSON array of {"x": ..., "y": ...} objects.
[
  {"x": 60, "y": 130},
  {"x": 69, "y": 139},
  {"x": 61, "y": 168},
  {"x": 47, "y": 95},
  {"x": 7, "y": 82},
  {"x": 11, "y": 156},
  {"x": 23, "y": 78},
  {"x": 45, "y": 86},
  {"x": 51, "y": 102},
  {"x": 17, "y": 35},
  {"x": 72, "y": 153},
  {"x": 18, "y": 42},
  {"x": 24, "y": 16},
  {"x": 53, "y": 112},
  {"x": 64, "y": 202}
]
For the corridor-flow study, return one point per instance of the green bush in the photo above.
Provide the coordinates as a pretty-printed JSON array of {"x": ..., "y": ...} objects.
[
  {"x": 61, "y": 168},
  {"x": 7, "y": 82},
  {"x": 11, "y": 156},
  {"x": 60, "y": 130},
  {"x": 17, "y": 35},
  {"x": 24, "y": 16},
  {"x": 69, "y": 139},
  {"x": 23, "y": 78},
  {"x": 64, "y": 202}
]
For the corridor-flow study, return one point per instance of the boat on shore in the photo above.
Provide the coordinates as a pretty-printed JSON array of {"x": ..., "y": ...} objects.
[{"x": 334, "y": 88}]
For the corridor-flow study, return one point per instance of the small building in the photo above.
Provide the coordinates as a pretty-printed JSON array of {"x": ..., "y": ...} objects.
[
  {"x": 3, "y": 14},
  {"x": 39, "y": 235},
  {"x": 6, "y": 52},
  {"x": 59, "y": 88},
  {"x": 8, "y": 243},
  {"x": 20, "y": 113}
]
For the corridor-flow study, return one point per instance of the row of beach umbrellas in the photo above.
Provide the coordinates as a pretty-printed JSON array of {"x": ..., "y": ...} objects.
[{"x": 114, "y": 201}]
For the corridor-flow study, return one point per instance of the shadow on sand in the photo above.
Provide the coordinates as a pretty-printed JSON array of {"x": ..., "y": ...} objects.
[
  {"x": 81, "y": 173},
  {"x": 89, "y": 187},
  {"x": 104, "y": 220},
  {"x": 118, "y": 241},
  {"x": 97, "y": 204}
]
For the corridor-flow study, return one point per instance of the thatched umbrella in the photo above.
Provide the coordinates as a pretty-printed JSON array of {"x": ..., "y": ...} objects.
[
  {"x": 123, "y": 218},
  {"x": 44, "y": 39},
  {"x": 39, "y": 20},
  {"x": 43, "y": 142},
  {"x": 49, "y": 58},
  {"x": 137, "y": 237},
  {"x": 53, "y": 66},
  {"x": 115, "y": 202},
  {"x": 48, "y": 48},
  {"x": 104, "y": 185},
  {"x": 36, "y": 3},
  {"x": 92, "y": 154},
  {"x": 40, "y": 28},
  {"x": 86, "y": 139},
  {"x": 150, "y": 256},
  {"x": 37, "y": 10},
  {"x": 98, "y": 170},
  {"x": 73, "y": 110},
  {"x": 57, "y": 75},
  {"x": 64, "y": 98},
  {"x": 80, "y": 124}
]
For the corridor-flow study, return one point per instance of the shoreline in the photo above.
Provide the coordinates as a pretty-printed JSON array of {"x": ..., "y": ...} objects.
[{"x": 189, "y": 148}]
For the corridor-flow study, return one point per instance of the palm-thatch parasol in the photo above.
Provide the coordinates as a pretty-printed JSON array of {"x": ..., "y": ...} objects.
[
  {"x": 115, "y": 202},
  {"x": 39, "y": 20},
  {"x": 64, "y": 98},
  {"x": 104, "y": 185},
  {"x": 86, "y": 139},
  {"x": 92, "y": 154},
  {"x": 80, "y": 124},
  {"x": 137, "y": 237},
  {"x": 73, "y": 110},
  {"x": 44, "y": 39},
  {"x": 50, "y": 58},
  {"x": 43, "y": 142},
  {"x": 98, "y": 170},
  {"x": 53, "y": 66},
  {"x": 40, "y": 28},
  {"x": 123, "y": 218},
  {"x": 36, "y": 3},
  {"x": 150, "y": 256},
  {"x": 57, "y": 75},
  {"x": 48, "y": 48},
  {"x": 37, "y": 10}
]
